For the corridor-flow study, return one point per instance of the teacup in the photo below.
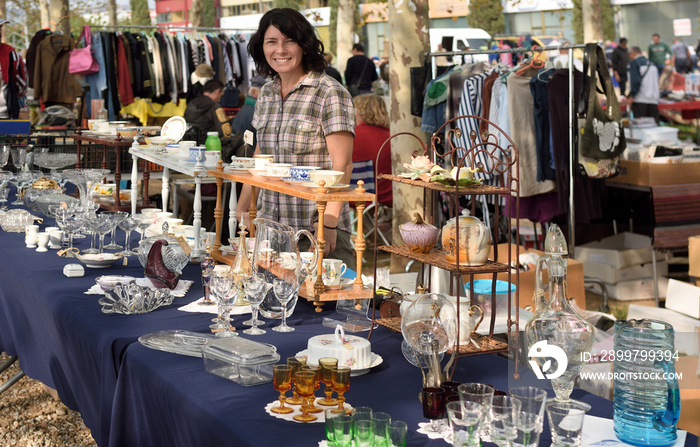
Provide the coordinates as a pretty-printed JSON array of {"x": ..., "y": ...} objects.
[
  {"x": 301, "y": 173},
  {"x": 185, "y": 147},
  {"x": 262, "y": 160},
  {"x": 278, "y": 169},
  {"x": 333, "y": 269},
  {"x": 242, "y": 163},
  {"x": 211, "y": 158},
  {"x": 288, "y": 260},
  {"x": 306, "y": 258},
  {"x": 197, "y": 153},
  {"x": 331, "y": 178}
]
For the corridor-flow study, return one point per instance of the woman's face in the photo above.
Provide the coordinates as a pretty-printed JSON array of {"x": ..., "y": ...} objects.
[{"x": 282, "y": 53}]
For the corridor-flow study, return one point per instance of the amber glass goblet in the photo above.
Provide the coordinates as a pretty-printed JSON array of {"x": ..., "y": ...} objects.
[
  {"x": 305, "y": 382},
  {"x": 341, "y": 383},
  {"x": 295, "y": 363},
  {"x": 316, "y": 370},
  {"x": 327, "y": 364},
  {"x": 282, "y": 382}
]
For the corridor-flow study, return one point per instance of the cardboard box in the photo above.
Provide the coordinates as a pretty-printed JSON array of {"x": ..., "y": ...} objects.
[
  {"x": 694, "y": 256},
  {"x": 684, "y": 298},
  {"x": 637, "y": 289},
  {"x": 690, "y": 394},
  {"x": 654, "y": 174},
  {"x": 526, "y": 287},
  {"x": 621, "y": 250},
  {"x": 612, "y": 275},
  {"x": 686, "y": 329}
]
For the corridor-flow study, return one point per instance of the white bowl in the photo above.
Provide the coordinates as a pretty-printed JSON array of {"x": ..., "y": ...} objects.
[
  {"x": 330, "y": 177},
  {"x": 278, "y": 169}
]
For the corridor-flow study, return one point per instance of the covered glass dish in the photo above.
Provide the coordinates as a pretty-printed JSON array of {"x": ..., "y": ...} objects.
[{"x": 241, "y": 360}]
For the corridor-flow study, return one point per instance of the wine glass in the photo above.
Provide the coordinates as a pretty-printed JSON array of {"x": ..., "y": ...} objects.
[
  {"x": 327, "y": 364},
  {"x": 284, "y": 290},
  {"x": 117, "y": 217},
  {"x": 433, "y": 399},
  {"x": 19, "y": 157},
  {"x": 21, "y": 180},
  {"x": 4, "y": 193},
  {"x": 256, "y": 289},
  {"x": 221, "y": 285},
  {"x": 128, "y": 225},
  {"x": 282, "y": 382},
  {"x": 4, "y": 155},
  {"x": 341, "y": 383},
  {"x": 70, "y": 220},
  {"x": 145, "y": 221},
  {"x": 312, "y": 408},
  {"x": 91, "y": 223},
  {"x": 304, "y": 381},
  {"x": 102, "y": 224},
  {"x": 295, "y": 363}
]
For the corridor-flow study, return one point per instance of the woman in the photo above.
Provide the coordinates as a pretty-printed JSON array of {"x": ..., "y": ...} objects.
[
  {"x": 302, "y": 117},
  {"x": 371, "y": 131}
]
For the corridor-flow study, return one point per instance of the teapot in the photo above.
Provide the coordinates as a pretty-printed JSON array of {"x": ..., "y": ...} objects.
[{"x": 473, "y": 244}]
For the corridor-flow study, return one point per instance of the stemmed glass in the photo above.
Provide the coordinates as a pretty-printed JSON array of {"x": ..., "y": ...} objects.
[
  {"x": 91, "y": 223},
  {"x": 4, "y": 155},
  {"x": 282, "y": 382},
  {"x": 101, "y": 224},
  {"x": 482, "y": 394},
  {"x": 531, "y": 417},
  {"x": 327, "y": 364},
  {"x": 295, "y": 363},
  {"x": 128, "y": 225},
  {"x": 433, "y": 399},
  {"x": 304, "y": 381},
  {"x": 312, "y": 408},
  {"x": 70, "y": 220},
  {"x": 256, "y": 289},
  {"x": 21, "y": 180},
  {"x": 117, "y": 217},
  {"x": 341, "y": 383},
  {"x": 221, "y": 285},
  {"x": 19, "y": 157},
  {"x": 145, "y": 221},
  {"x": 284, "y": 291}
]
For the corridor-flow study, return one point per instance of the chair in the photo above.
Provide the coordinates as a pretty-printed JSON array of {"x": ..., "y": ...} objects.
[{"x": 364, "y": 170}]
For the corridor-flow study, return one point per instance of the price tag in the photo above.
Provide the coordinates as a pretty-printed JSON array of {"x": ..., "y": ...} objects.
[
  {"x": 184, "y": 245},
  {"x": 248, "y": 137}
]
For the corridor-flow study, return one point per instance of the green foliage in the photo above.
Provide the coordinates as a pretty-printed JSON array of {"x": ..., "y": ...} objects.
[
  {"x": 140, "y": 14},
  {"x": 486, "y": 14},
  {"x": 294, "y": 4},
  {"x": 333, "y": 27},
  {"x": 208, "y": 13},
  {"x": 607, "y": 12}
]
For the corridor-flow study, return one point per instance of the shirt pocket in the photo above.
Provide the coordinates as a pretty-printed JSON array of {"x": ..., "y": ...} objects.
[{"x": 303, "y": 137}]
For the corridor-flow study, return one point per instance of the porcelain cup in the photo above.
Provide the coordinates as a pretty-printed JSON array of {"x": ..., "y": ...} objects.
[
  {"x": 333, "y": 269},
  {"x": 30, "y": 235},
  {"x": 42, "y": 242},
  {"x": 55, "y": 238},
  {"x": 262, "y": 160}
]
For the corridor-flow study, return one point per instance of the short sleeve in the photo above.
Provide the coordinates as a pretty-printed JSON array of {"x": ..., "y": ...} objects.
[{"x": 338, "y": 112}]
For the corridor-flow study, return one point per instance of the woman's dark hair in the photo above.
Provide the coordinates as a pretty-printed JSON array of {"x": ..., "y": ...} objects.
[{"x": 295, "y": 26}]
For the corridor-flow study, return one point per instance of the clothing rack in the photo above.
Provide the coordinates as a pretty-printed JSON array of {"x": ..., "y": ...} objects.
[
  {"x": 167, "y": 27},
  {"x": 572, "y": 116}
]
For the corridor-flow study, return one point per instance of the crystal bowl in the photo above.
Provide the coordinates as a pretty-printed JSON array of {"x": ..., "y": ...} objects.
[
  {"x": 32, "y": 195},
  {"x": 44, "y": 201},
  {"x": 55, "y": 161},
  {"x": 130, "y": 298},
  {"x": 174, "y": 256}
]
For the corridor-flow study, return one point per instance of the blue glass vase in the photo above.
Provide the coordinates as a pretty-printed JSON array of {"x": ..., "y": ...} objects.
[{"x": 646, "y": 402}]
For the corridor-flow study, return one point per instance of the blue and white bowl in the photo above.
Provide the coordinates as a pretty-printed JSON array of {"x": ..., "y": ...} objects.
[{"x": 301, "y": 173}]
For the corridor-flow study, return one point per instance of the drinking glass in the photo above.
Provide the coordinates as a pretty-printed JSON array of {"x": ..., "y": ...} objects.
[
  {"x": 480, "y": 393},
  {"x": 117, "y": 217},
  {"x": 381, "y": 421},
  {"x": 19, "y": 157},
  {"x": 396, "y": 433},
  {"x": 4, "y": 192},
  {"x": 360, "y": 413},
  {"x": 304, "y": 383},
  {"x": 21, "y": 180},
  {"x": 330, "y": 434},
  {"x": 284, "y": 290},
  {"x": 341, "y": 383},
  {"x": 256, "y": 289},
  {"x": 503, "y": 418},
  {"x": 364, "y": 433},
  {"x": 221, "y": 285},
  {"x": 566, "y": 422},
  {"x": 295, "y": 363},
  {"x": 465, "y": 419},
  {"x": 4, "y": 155},
  {"x": 91, "y": 223},
  {"x": 282, "y": 382},
  {"x": 451, "y": 389},
  {"x": 433, "y": 399},
  {"x": 531, "y": 416},
  {"x": 128, "y": 225},
  {"x": 101, "y": 224},
  {"x": 70, "y": 221},
  {"x": 343, "y": 425},
  {"x": 312, "y": 408},
  {"x": 327, "y": 364},
  {"x": 145, "y": 221}
]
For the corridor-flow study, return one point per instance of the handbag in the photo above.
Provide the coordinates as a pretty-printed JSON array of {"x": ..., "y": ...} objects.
[
  {"x": 81, "y": 61},
  {"x": 601, "y": 137}
]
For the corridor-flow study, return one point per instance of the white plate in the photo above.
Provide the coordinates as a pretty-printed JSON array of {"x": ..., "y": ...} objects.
[
  {"x": 94, "y": 261},
  {"x": 256, "y": 171},
  {"x": 336, "y": 186},
  {"x": 292, "y": 181},
  {"x": 273, "y": 176},
  {"x": 174, "y": 128},
  {"x": 236, "y": 171},
  {"x": 376, "y": 361}
]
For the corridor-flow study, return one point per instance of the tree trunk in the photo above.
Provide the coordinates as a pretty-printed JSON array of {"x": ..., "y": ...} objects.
[
  {"x": 197, "y": 14},
  {"x": 346, "y": 30},
  {"x": 592, "y": 21},
  {"x": 112, "y": 11},
  {"x": 59, "y": 16},
  {"x": 3, "y": 14},
  {"x": 408, "y": 31},
  {"x": 44, "y": 13}
]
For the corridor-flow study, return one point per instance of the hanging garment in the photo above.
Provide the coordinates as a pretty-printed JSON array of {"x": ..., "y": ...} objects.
[
  {"x": 538, "y": 88},
  {"x": 112, "y": 102},
  {"x": 96, "y": 81},
  {"x": 53, "y": 84},
  {"x": 486, "y": 98},
  {"x": 30, "y": 58},
  {"x": 126, "y": 93}
]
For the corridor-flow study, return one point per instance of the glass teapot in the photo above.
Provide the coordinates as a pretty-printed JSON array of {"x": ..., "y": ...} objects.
[
  {"x": 472, "y": 244},
  {"x": 276, "y": 255}
]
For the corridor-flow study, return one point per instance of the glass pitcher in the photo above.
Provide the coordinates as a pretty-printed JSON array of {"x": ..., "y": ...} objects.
[
  {"x": 646, "y": 399},
  {"x": 276, "y": 255}
]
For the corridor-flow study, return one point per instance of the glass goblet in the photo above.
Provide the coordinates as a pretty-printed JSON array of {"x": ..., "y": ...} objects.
[
  {"x": 341, "y": 383},
  {"x": 91, "y": 222},
  {"x": 21, "y": 180},
  {"x": 304, "y": 383},
  {"x": 4, "y": 155},
  {"x": 312, "y": 408},
  {"x": 101, "y": 223},
  {"x": 327, "y": 364},
  {"x": 221, "y": 285},
  {"x": 117, "y": 217},
  {"x": 4, "y": 193},
  {"x": 282, "y": 382},
  {"x": 145, "y": 221},
  {"x": 433, "y": 399},
  {"x": 531, "y": 417},
  {"x": 70, "y": 221},
  {"x": 256, "y": 289},
  {"x": 295, "y": 363},
  {"x": 128, "y": 225},
  {"x": 19, "y": 157},
  {"x": 284, "y": 290},
  {"x": 480, "y": 393}
]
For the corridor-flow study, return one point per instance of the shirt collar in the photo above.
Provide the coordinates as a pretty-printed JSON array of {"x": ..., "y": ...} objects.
[{"x": 312, "y": 79}]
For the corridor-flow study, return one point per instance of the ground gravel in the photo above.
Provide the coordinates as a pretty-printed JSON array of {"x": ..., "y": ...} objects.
[{"x": 30, "y": 417}]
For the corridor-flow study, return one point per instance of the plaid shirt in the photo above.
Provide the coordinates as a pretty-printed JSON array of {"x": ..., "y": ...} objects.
[{"x": 294, "y": 131}]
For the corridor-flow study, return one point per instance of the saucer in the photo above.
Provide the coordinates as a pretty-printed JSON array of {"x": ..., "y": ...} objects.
[
  {"x": 293, "y": 181},
  {"x": 273, "y": 176},
  {"x": 256, "y": 171},
  {"x": 336, "y": 186}
]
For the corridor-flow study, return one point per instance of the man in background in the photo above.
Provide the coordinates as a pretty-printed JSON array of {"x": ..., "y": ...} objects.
[
  {"x": 620, "y": 61},
  {"x": 206, "y": 114},
  {"x": 644, "y": 86},
  {"x": 680, "y": 56},
  {"x": 360, "y": 72},
  {"x": 13, "y": 83},
  {"x": 658, "y": 52}
]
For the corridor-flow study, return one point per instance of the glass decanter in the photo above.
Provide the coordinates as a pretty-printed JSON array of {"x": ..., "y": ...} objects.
[
  {"x": 241, "y": 268},
  {"x": 558, "y": 333},
  {"x": 207, "y": 265}
]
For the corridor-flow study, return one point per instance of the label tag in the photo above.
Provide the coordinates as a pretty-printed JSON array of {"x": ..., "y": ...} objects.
[
  {"x": 248, "y": 137},
  {"x": 184, "y": 245}
]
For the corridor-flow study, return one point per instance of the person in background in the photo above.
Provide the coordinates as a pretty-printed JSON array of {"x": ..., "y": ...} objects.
[
  {"x": 371, "y": 131},
  {"x": 330, "y": 70},
  {"x": 13, "y": 88},
  {"x": 303, "y": 117},
  {"x": 505, "y": 58},
  {"x": 202, "y": 74},
  {"x": 644, "y": 86},
  {"x": 620, "y": 61},
  {"x": 207, "y": 115},
  {"x": 360, "y": 70},
  {"x": 658, "y": 53},
  {"x": 244, "y": 118},
  {"x": 680, "y": 56}
]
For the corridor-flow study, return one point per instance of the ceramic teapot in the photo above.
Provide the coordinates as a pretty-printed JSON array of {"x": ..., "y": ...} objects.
[{"x": 473, "y": 244}]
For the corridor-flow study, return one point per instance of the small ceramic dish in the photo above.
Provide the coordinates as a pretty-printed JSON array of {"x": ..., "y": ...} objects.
[{"x": 100, "y": 260}]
